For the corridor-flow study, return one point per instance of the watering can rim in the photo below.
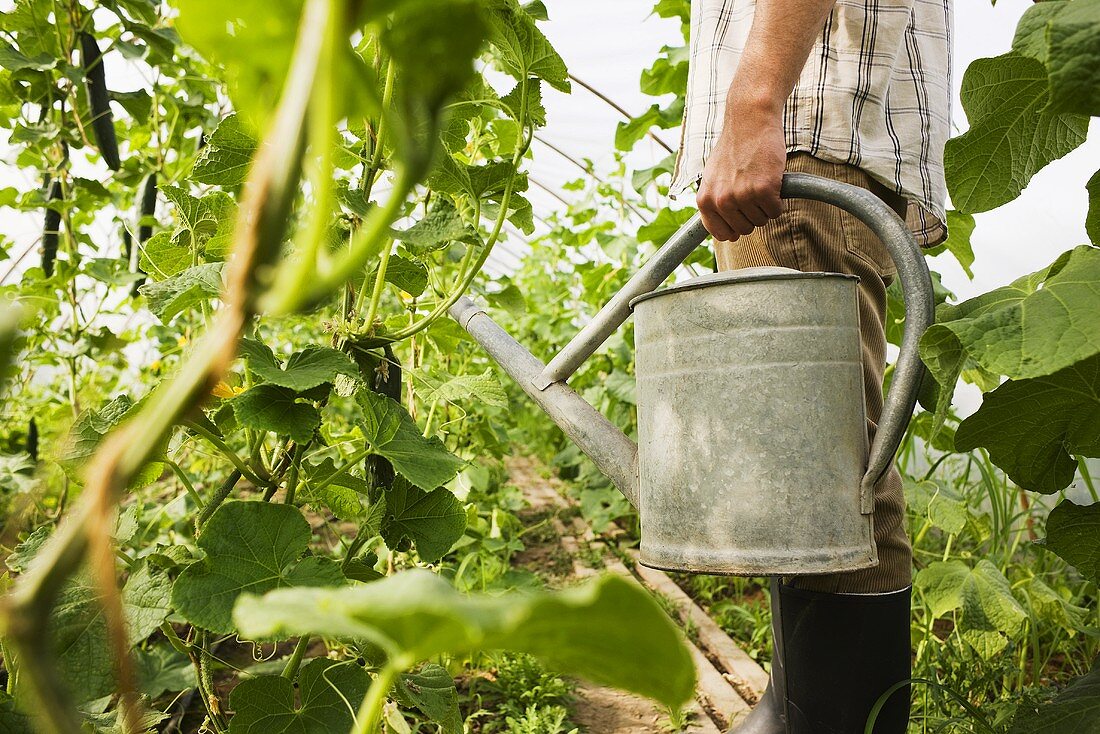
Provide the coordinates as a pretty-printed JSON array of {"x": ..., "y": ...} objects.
[{"x": 743, "y": 275}]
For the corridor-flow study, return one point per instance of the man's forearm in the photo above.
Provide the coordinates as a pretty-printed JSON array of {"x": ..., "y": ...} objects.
[
  {"x": 741, "y": 181},
  {"x": 782, "y": 34}
]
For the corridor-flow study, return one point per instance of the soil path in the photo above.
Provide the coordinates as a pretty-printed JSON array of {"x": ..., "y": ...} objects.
[{"x": 564, "y": 550}]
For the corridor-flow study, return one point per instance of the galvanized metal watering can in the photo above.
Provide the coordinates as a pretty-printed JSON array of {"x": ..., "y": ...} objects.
[{"x": 752, "y": 456}]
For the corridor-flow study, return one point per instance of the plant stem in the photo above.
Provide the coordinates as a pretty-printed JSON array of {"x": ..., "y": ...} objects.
[
  {"x": 229, "y": 453},
  {"x": 379, "y": 286},
  {"x": 295, "y": 661},
  {"x": 217, "y": 500},
  {"x": 292, "y": 477},
  {"x": 370, "y": 711}
]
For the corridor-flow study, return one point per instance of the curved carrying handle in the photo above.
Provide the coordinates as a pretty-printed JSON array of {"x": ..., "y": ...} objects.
[{"x": 919, "y": 310}]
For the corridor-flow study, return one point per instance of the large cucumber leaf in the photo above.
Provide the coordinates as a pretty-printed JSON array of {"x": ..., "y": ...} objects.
[
  {"x": 608, "y": 630},
  {"x": 1073, "y": 532},
  {"x": 990, "y": 613},
  {"x": 1032, "y": 428},
  {"x": 1012, "y": 133},
  {"x": 250, "y": 547},
  {"x": 1038, "y": 325},
  {"x": 327, "y": 693}
]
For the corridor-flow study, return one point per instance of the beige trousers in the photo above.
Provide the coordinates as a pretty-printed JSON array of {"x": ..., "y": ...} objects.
[{"x": 812, "y": 236}]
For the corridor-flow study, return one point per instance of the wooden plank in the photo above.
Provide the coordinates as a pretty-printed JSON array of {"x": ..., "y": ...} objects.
[
  {"x": 744, "y": 673},
  {"x": 718, "y": 695}
]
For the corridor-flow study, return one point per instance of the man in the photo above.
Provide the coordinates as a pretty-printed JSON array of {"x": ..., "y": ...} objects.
[{"x": 856, "y": 90}]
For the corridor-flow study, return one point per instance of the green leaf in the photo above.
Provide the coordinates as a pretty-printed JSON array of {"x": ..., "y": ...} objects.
[
  {"x": 523, "y": 50},
  {"x": 434, "y": 43},
  {"x": 609, "y": 629},
  {"x": 250, "y": 547},
  {"x": 255, "y": 63},
  {"x": 327, "y": 694},
  {"x": 431, "y": 690},
  {"x": 1039, "y": 324},
  {"x": 668, "y": 74},
  {"x": 990, "y": 612},
  {"x": 628, "y": 133},
  {"x": 536, "y": 110},
  {"x": 1074, "y": 39},
  {"x": 484, "y": 388},
  {"x": 960, "y": 228},
  {"x": 439, "y": 228},
  {"x": 305, "y": 370},
  {"x": 197, "y": 223},
  {"x": 1075, "y": 710},
  {"x": 1032, "y": 428},
  {"x": 162, "y": 256},
  {"x": 160, "y": 669},
  {"x": 279, "y": 410},
  {"x": 510, "y": 298},
  {"x": 1092, "y": 221},
  {"x": 664, "y": 225},
  {"x": 12, "y": 718},
  {"x": 946, "y": 513},
  {"x": 1073, "y": 532},
  {"x": 227, "y": 155},
  {"x": 392, "y": 433},
  {"x": 410, "y": 276},
  {"x": 433, "y": 520},
  {"x": 12, "y": 60},
  {"x": 1031, "y": 32},
  {"x": 340, "y": 493},
  {"x": 146, "y": 601},
  {"x": 183, "y": 291},
  {"x": 77, "y": 631},
  {"x": 20, "y": 558},
  {"x": 1012, "y": 135}
]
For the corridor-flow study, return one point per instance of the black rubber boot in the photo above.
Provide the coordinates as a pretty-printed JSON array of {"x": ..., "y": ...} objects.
[{"x": 834, "y": 656}]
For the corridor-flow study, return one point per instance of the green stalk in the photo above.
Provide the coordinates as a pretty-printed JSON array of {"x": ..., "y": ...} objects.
[
  {"x": 292, "y": 477},
  {"x": 186, "y": 482},
  {"x": 292, "y": 665},
  {"x": 379, "y": 285},
  {"x": 370, "y": 711},
  {"x": 229, "y": 453},
  {"x": 355, "y": 459},
  {"x": 321, "y": 128}
]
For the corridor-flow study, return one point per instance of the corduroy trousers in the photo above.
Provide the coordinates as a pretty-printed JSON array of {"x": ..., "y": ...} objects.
[{"x": 813, "y": 236}]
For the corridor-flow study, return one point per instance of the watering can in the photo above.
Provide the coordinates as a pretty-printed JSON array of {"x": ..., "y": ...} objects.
[{"x": 752, "y": 455}]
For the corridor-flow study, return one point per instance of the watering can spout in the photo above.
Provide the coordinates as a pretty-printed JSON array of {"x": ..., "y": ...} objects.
[{"x": 607, "y": 446}]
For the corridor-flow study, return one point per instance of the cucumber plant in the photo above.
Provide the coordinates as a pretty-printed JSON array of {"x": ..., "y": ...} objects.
[{"x": 338, "y": 173}]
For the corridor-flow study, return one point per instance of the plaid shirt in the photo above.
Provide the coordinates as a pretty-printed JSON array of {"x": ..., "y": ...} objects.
[{"x": 875, "y": 93}]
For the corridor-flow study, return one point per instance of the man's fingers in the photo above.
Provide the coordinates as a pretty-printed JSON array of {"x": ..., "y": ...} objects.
[
  {"x": 714, "y": 222},
  {"x": 738, "y": 222},
  {"x": 771, "y": 203}
]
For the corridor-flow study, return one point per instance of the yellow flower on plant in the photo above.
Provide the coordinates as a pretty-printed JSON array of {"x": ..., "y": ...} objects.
[{"x": 224, "y": 390}]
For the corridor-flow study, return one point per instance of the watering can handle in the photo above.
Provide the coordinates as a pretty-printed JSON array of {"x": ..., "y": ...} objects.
[
  {"x": 912, "y": 273},
  {"x": 916, "y": 284}
]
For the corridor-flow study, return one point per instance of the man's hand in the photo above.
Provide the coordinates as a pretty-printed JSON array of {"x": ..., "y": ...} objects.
[{"x": 740, "y": 186}]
